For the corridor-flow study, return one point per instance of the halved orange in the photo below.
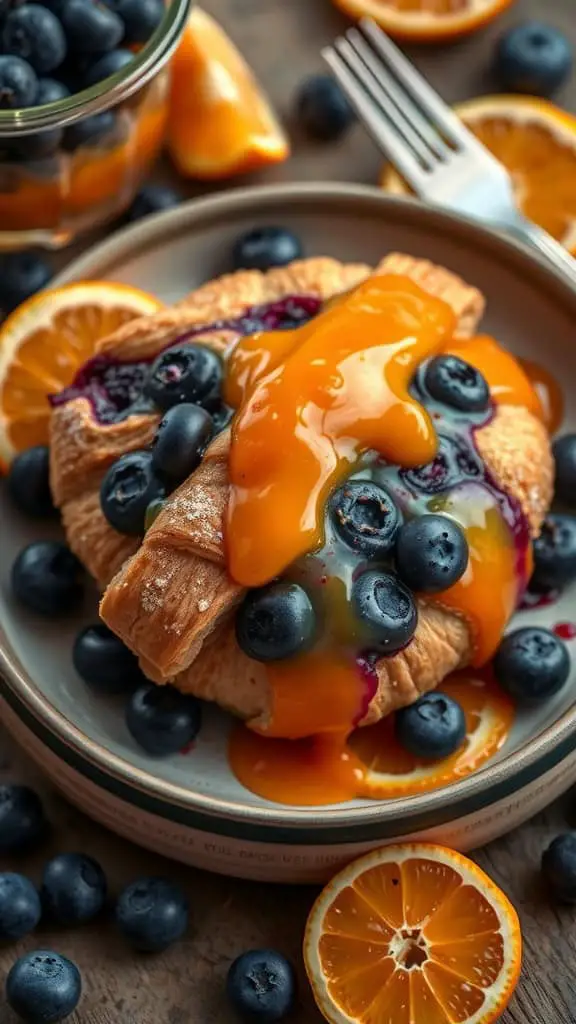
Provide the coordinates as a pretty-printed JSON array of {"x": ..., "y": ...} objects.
[
  {"x": 220, "y": 122},
  {"x": 391, "y": 771},
  {"x": 536, "y": 142},
  {"x": 412, "y": 934},
  {"x": 45, "y": 341},
  {"x": 426, "y": 20}
]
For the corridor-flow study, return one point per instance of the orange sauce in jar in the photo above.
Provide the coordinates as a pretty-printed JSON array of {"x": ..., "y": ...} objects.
[{"x": 317, "y": 405}]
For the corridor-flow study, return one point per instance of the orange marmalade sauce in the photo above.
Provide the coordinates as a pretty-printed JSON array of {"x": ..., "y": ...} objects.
[{"x": 318, "y": 404}]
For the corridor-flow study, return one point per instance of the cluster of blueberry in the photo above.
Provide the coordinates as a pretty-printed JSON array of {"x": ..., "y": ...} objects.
[
  {"x": 49, "y": 51},
  {"x": 151, "y": 914}
]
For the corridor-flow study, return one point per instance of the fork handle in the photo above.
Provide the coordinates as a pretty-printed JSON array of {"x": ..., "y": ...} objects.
[{"x": 547, "y": 246}]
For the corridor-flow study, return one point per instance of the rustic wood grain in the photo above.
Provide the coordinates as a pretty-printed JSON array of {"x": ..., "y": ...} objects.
[{"x": 282, "y": 38}]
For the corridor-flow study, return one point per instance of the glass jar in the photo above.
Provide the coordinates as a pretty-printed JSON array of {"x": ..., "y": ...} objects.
[{"x": 61, "y": 173}]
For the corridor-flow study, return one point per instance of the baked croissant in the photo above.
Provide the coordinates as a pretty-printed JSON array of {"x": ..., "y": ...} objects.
[{"x": 172, "y": 602}]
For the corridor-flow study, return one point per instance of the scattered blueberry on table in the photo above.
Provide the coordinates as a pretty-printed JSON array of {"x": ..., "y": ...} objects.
[
  {"x": 104, "y": 663},
  {"x": 559, "y": 867},
  {"x": 275, "y": 622},
  {"x": 22, "y": 820},
  {"x": 433, "y": 727},
  {"x": 47, "y": 578},
  {"x": 162, "y": 720},
  {"x": 564, "y": 452},
  {"x": 152, "y": 199},
  {"x": 555, "y": 553},
  {"x": 323, "y": 109},
  {"x": 28, "y": 483},
  {"x": 73, "y": 889},
  {"x": 152, "y": 914},
  {"x": 532, "y": 664},
  {"x": 266, "y": 247},
  {"x": 43, "y": 987},
  {"x": 261, "y": 986},
  {"x": 533, "y": 58},
  {"x": 22, "y": 274},
  {"x": 20, "y": 907}
]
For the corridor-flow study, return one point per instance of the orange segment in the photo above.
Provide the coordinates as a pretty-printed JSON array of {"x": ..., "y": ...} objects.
[
  {"x": 426, "y": 20},
  {"x": 393, "y": 772},
  {"x": 448, "y": 950},
  {"x": 536, "y": 141},
  {"x": 43, "y": 344},
  {"x": 220, "y": 122}
]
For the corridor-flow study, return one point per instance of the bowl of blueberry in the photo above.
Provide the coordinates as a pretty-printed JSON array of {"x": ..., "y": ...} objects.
[
  {"x": 83, "y": 107},
  {"x": 459, "y": 765}
]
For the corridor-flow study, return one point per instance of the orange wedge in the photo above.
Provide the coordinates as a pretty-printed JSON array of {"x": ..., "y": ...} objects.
[
  {"x": 393, "y": 772},
  {"x": 412, "y": 934},
  {"x": 220, "y": 123},
  {"x": 536, "y": 141},
  {"x": 45, "y": 341},
  {"x": 426, "y": 20}
]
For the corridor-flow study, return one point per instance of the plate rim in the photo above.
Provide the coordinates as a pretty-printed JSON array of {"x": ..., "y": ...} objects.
[{"x": 189, "y": 217}]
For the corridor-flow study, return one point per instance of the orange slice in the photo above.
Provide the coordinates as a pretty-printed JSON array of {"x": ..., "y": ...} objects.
[
  {"x": 426, "y": 20},
  {"x": 412, "y": 934},
  {"x": 45, "y": 341},
  {"x": 392, "y": 772},
  {"x": 536, "y": 141},
  {"x": 220, "y": 123}
]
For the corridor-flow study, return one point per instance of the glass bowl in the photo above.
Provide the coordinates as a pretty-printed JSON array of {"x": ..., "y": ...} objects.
[{"x": 68, "y": 166}]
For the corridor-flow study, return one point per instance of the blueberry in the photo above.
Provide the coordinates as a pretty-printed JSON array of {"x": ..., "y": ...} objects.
[
  {"x": 33, "y": 33},
  {"x": 323, "y": 109},
  {"x": 365, "y": 517},
  {"x": 43, "y": 987},
  {"x": 108, "y": 64},
  {"x": 559, "y": 867},
  {"x": 140, "y": 17},
  {"x": 457, "y": 384},
  {"x": 22, "y": 274},
  {"x": 431, "y": 728},
  {"x": 104, "y": 663},
  {"x": 126, "y": 491},
  {"x": 162, "y": 720},
  {"x": 275, "y": 622},
  {"x": 221, "y": 417},
  {"x": 532, "y": 664},
  {"x": 151, "y": 914},
  {"x": 22, "y": 821},
  {"x": 555, "y": 553},
  {"x": 18, "y": 83},
  {"x": 91, "y": 27},
  {"x": 386, "y": 610},
  {"x": 28, "y": 482},
  {"x": 20, "y": 908},
  {"x": 180, "y": 442},
  {"x": 261, "y": 986},
  {"x": 564, "y": 451},
  {"x": 431, "y": 553},
  {"x": 534, "y": 58},
  {"x": 266, "y": 247},
  {"x": 50, "y": 91},
  {"x": 47, "y": 578},
  {"x": 73, "y": 889},
  {"x": 90, "y": 131},
  {"x": 185, "y": 373},
  {"x": 152, "y": 199}
]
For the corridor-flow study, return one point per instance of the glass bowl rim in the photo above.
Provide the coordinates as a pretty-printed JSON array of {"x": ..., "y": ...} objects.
[{"x": 109, "y": 92}]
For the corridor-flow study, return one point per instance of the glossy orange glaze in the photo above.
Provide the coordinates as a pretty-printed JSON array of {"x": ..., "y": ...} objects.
[
  {"x": 312, "y": 402},
  {"x": 549, "y": 394},
  {"x": 330, "y": 391}
]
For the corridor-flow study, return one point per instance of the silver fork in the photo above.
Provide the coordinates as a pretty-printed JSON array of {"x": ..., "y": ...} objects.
[{"x": 436, "y": 154}]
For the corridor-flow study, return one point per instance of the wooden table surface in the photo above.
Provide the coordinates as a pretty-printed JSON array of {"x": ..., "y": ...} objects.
[{"x": 282, "y": 38}]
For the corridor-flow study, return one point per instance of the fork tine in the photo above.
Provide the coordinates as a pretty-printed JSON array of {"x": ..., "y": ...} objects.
[
  {"x": 392, "y": 92},
  {"x": 422, "y": 94},
  {"x": 385, "y": 135}
]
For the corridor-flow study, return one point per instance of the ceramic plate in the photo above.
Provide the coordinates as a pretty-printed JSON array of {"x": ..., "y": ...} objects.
[{"x": 529, "y": 309}]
